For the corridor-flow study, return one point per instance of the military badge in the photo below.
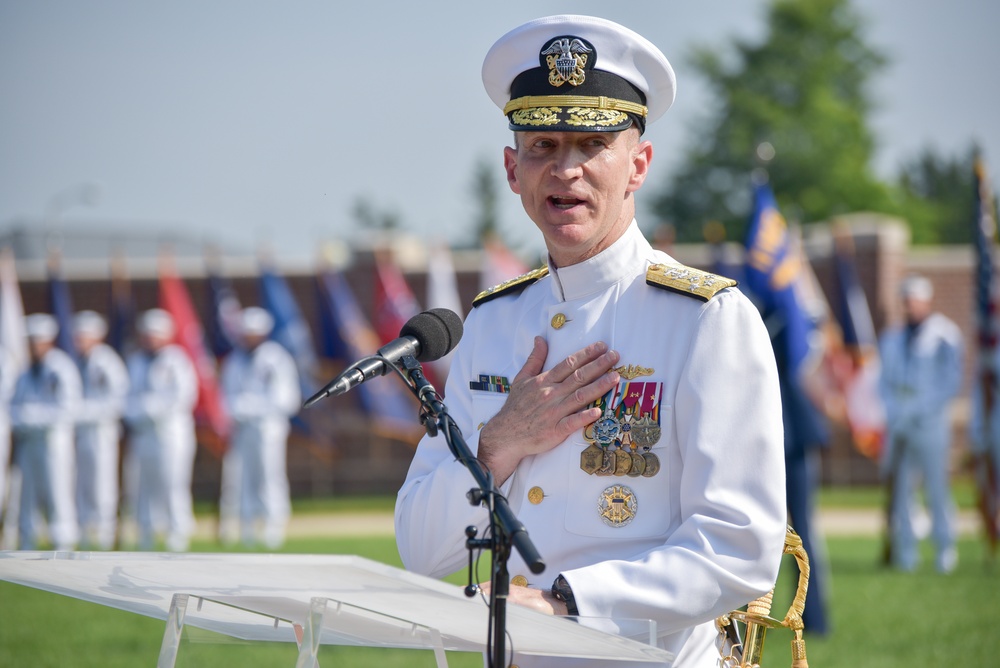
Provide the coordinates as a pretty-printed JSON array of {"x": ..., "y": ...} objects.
[
  {"x": 617, "y": 506},
  {"x": 621, "y": 439},
  {"x": 566, "y": 58}
]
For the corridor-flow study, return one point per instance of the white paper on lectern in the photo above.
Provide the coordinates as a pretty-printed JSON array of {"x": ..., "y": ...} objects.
[{"x": 264, "y": 595}]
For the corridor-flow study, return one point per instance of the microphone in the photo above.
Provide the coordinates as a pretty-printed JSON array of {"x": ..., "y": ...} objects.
[{"x": 427, "y": 336}]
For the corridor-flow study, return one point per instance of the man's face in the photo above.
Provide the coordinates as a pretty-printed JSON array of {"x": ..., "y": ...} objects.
[
  {"x": 916, "y": 309},
  {"x": 85, "y": 343},
  {"x": 251, "y": 341},
  {"x": 577, "y": 187},
  {"x": 153, "y": 342},
  {"x": 37, "y": 348}
]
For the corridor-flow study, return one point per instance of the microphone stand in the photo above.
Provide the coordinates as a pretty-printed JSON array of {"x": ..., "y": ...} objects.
[{"x": 507, "y": 530}]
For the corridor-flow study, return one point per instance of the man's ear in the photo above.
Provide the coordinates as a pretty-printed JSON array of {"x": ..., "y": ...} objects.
[
  {"x": 640, "y": 165},
  {"x": 510, "y": 167}
]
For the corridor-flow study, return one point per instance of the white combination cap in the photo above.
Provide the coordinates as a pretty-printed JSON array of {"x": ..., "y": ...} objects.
[
  {"x": 578, "y": 74},
  {"x": 41, "y": 327},
  {"x": 917, "y": 287},
  {"x": 255, "y": 321},
  {"x": 90, "y": 323},
  {"x": 156, "y": 322}
]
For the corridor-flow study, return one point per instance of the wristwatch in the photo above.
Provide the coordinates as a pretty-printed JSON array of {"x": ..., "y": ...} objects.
[{"x": 563, "y": 592}]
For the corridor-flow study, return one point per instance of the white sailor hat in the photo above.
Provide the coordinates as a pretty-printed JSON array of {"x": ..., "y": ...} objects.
[
  {"x": 255, "y": 321},
  {"x": 917, "y": 287},
  {"x": 41, "y": 327},
  {"x": 89, "y": 323},
  {"x": 156, "y": 322},
  {"x": 578, "y": 73}
]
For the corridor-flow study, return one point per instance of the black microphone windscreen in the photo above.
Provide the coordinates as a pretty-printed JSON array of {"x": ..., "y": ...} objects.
[{"x": 438, "y": 331}]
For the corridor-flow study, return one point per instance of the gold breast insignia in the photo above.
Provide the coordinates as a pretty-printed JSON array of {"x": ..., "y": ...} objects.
[{"x": 617, "y": 506}]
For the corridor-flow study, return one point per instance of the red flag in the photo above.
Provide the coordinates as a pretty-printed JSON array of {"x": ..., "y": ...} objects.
[
  {"x": 209, "y": 412},
  {"x": 394, "y": 301},
  {"x": 395, "y": 304},
  {"x": 499, "y": 264}
]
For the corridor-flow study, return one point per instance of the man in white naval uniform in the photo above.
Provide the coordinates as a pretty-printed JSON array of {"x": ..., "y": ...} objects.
[
  {"x": 42, "y": 412},
  {"x": 260, "y": 386},
  {"x": 163, "y": 390},
  {"x": 98, "y": 429},
  {"x": 627, "y": 406},
  {"x": 921, "y": 374}
]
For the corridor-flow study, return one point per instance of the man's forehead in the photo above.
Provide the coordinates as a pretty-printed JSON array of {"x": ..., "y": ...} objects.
[{"x": 525, "y": 136}]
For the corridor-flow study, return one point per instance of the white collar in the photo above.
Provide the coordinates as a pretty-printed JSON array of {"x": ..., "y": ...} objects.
[{"x": 623, "y": 259}]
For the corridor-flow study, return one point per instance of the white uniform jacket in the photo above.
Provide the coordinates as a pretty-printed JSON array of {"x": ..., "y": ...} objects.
[
  {"x": 105, "y": 385},
  {"x": 708, "y": 528},
  {"x": 45, "y": 401},
  {"x": 919, "y": 380},
  {"x": 162, "y": 395},
  {"x": 261, "y": 388}
]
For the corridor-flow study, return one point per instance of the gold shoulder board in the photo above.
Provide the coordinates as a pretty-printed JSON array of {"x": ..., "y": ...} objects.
[
  {"x": 687, "y": 280},
  {"x": 513, "y": 285}
]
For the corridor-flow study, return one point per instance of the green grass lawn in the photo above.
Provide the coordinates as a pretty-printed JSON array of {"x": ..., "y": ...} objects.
[{"x": 879, "y": 617}]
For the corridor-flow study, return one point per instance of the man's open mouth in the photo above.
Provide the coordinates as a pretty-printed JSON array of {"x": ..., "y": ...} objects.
[{"x": 565, "y": 202}]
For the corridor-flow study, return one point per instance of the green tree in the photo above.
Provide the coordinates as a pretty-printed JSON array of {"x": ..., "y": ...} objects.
[
  {"x": 802, "y": 91},
  {"x": 484, "y": 192},
  {"x": 369, "y": 217},
  {"x": 937, "y": 198}
]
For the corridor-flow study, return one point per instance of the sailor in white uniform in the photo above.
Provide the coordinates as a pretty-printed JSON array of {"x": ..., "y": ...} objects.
[
  {"x": 163, "y": 390},
  {"x": 627, "y": 405},
  {"x": 98, "y": 429},
  {"x": 921, "y": 375},
  {"x": 42, "y": 413},
  {"x": 260, "y": 386}
]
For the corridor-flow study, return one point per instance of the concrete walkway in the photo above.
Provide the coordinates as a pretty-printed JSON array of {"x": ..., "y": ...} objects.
[{"x": 832, "y": 522}]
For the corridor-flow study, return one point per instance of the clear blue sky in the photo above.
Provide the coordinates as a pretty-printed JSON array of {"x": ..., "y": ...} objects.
[{"x": 261, "y": 122}]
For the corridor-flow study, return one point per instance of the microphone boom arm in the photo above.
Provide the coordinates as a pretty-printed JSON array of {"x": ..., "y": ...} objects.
[{"x": 507, "y": 529}]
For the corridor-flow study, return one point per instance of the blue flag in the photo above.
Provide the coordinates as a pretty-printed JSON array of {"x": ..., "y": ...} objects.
[
  {"x": 121, "y": 309},
  {"x": 348, "y": 336},
  {"x": 290, "y": 327},
  {"x": 221, "y": 321},
  {"x": 773, "y": 274},
  {"x": 61, "y": 305},
  {"x": 852, "y": 311}
]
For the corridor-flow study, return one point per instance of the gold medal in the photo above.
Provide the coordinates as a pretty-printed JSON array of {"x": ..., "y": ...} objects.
[
  {"x": 652, "y": 464},
  {"x": 617, "y": 506},
  {"x": 638, "y": 465},
  {"x": 608, "y": 464},
  {"x": 592, "y": 459},
  {"x": 645, "y": 432},
  {"x": 623, "y": 462}
]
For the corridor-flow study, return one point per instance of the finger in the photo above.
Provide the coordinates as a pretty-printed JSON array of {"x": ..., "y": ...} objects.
[
  {"x": 573, "y": 363},
  {"x": 536, "y": 360},
  {"x": 593, "y": 390},
  {"x": 593, "y": 371}
]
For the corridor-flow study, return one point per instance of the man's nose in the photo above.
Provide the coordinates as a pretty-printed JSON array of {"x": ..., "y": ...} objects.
[{"x": 568, "y": 163}]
